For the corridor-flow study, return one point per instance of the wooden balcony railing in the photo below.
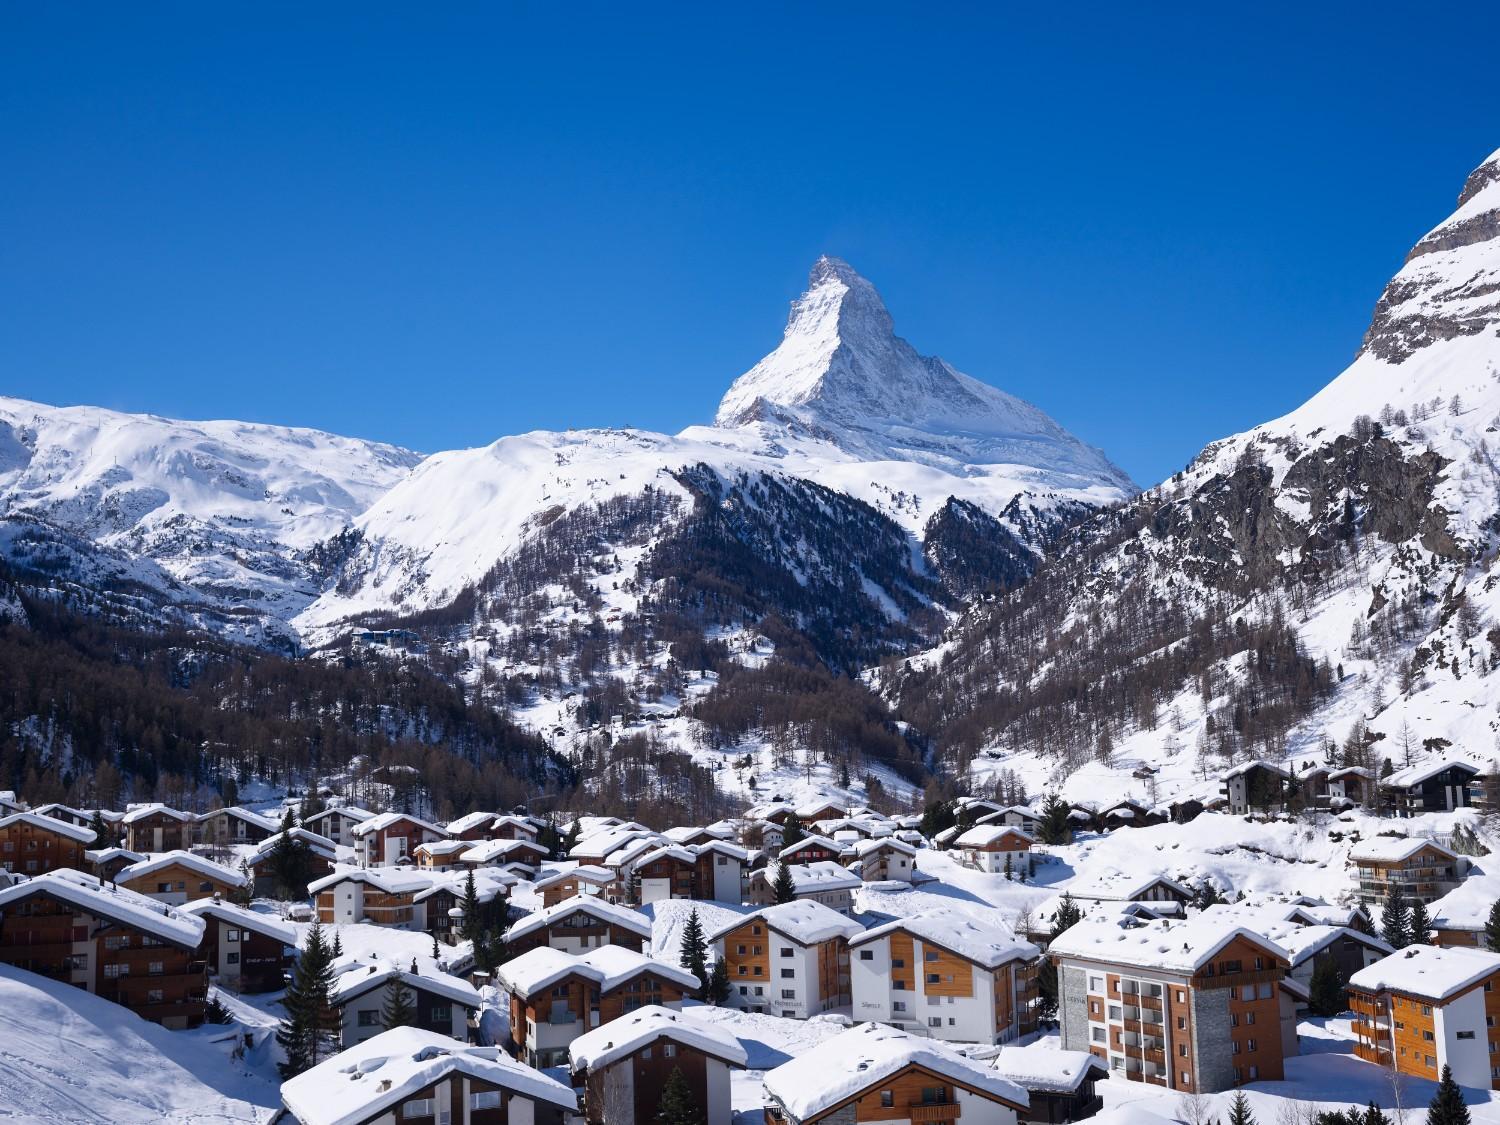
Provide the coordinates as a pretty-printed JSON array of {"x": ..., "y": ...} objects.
[{"x": 924, "y": 1112}]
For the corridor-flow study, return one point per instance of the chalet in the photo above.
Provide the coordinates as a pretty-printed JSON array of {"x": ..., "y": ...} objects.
[
  {"x": 1061, "y": 1086},
  {"x": 392, "y": 839},
  {"x": 1195, "y": 1007},
  {"x": 112, "y": 942},
  {"x": 1432, "y": 1008},
  {"x": 234, "y": 825},
  {"x": 721, "y": 830},
  {"x": 441, "y": 1003},
  {"x": 946, "y": 975},
  {"x": 410, "y": 1075},
  {"x": 441, "y": 855},
  {"x": 853, "y": 828},
  {"x": 1128, "y": 814},
  {"x": 1305, "y": 944},
  {"x": 623, "y": 1066},
  {"x": 1437, "y": 786},
  {"x": 790, "y": 960},
  {"x": 508, "y": 826},
  {"x": 439, "y": 907},
  {"x": 970, "y": 809},
  {"x": 599, "y": 846},
  {"x": 473, "y": 827},
  {"x": 720, "y": 874},
  {"x": 9, "y": 805},
  {"x": 1028, "y": 820},
  {"x": 321, "y": 854},
  {"x": 665, "y": 872},
  {"x": 815, "y": 811},
  {"x": 1119, "y": 887},
  {"x": 1421, "y": 869},
  {"x": 1351, "y": 786},
  {"x": 877, "y": 1073},
  {"x": 178, "y": 877},
  {"x": 106, "y": 863},
  {"x": 246, "y": 950},
  {"x": 337, "y": 823},
  {"x": 1257, "y": 786},
  {"x": 81, "y": 818},
  {"x": 157, "y": 828},
  {"x": 525, "y": 854},
  {"x": 1459, "y": 917},
  {"x": 577, "y": 925},
  {"x": 554, "y": 997},
  {"x": 32, "y": 844},
  {"x": 585, "y": 879},
  {"x": 997, "y": 848},
  {"x": 773, "y": 812},
  {"x": 1084, "y": 817},
  {"x": 825, "y": 882},
  {"x": 885, "y": 860},
  {"x": 811, "y": 849},
  {"x": 380, "y": 896}
]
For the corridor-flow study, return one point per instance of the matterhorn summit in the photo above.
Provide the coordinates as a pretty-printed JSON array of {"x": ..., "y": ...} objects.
[{"x": 842, "y": 375}]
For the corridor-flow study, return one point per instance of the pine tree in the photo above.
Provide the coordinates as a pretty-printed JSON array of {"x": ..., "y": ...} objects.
[
  {"x": 1418, "y": 925},
  {"x": 309, "y": 1014},
  {"x": 694, "y": 952},
  {"x": 570, "y": 839},
  {"x": 400, "y": 1007},
  {"x": 1448, "y": 1108},
  {"x": 436, "y": 952},
  {"x": 791, "y": 831},
  {"x": 338, "y": 944},
  {"x": 1362, "y": 920},
  {"x": 718, "y": 982},
  {"x": 1393, "y": 919},
  {"x": 1374, "y": 1116},
  {"x": 103, "y": 837},
  {"x": 783, "y": 889},
  {"x": 1239, "y": 1110},
  {"x": 471, "y": 925},
  {"x": 1492, "y": 927},
  {"x": 1068, "y": 915},
  {"x": 1046, "y": 986},
  {"x": 1326, "y": 989},
  {"x": 677, "y": 1104},
  {"x": 1010, "y": 874},
  {"x": 1055, "y": 827}
]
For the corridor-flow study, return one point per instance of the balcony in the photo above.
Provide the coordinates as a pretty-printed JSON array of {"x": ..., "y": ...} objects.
[{"x": 922, "y": 1112}]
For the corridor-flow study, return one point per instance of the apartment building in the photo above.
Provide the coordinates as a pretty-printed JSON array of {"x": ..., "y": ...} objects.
[
  {"x": 579, "y": 924},
  {"x": 945, "y": 974},
  {"x": 392, "y": 838},
  {"x": 1424, "y": 870},
  {"x": 1429, "y": 1008},
  {"x": 32, "y": 844},
  {"x": 440, "y": 1003},
  {"x": 1195, "y": 1006},
  {"x": 827, "y": 883},
  {"x": 790, "y": 960},
  {"x": 178, "y": 877},
  {"x": 157, "y": 828}
]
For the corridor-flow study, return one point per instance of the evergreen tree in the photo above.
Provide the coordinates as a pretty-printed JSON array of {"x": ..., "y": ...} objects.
[
  {"x": 1239, "y": 1110},
  {"x": 1373, "y": 1116},
  {"x": 1362, "y": 920},
  {"x": 1492, "y": 927},
  {"x": 1418, "y": 924},
  {"x": 490, "y": 951},
  {"x": 569, "y": 840},
  {"x": 1393, "y": 926},
  {"x": 470, "y": 927},
  {"x": 783, "y": 889},
  {"x": 1207, "y": 895},
  {"x": 791, "y": 831},
  {"x": 400, "y": 1007},
  {"x": 1326, "y": 989},
  {"x": 310, "y": 1017},
  {"x": 1010, "y": 874},
  {"x": 718, "y": 982},
  {"x": 103, "y": 837},
  {"x": 1068, "y": 915},
  {"x": 694, "y": 953},
  {"x": 936, "y": 817},
  {"x": 337, "y": 950},
  {"x": 1448, "y": 1108},
  {"x": 677, "y": 1104},
  {"x": 1054, "y": 826},
  {"x": 436, "y": 952}
]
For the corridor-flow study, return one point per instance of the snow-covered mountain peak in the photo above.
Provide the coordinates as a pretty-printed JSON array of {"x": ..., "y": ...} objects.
[{"x": 841, "y": 376}]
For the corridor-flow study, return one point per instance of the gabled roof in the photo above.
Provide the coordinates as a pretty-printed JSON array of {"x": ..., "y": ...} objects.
[
  {"x": 105, "y": 855},
  {"x": 843, "y": 1067},
  {"x": 366, "y": 1080},
  {"x": 1394, "y": 849},
  {"x": 320, "y": 845},
  {"x": 816, "y": 842},
  {"x": 106, "y": 900},
  {"x": 1180, "y": 947},
  {"x": 883, "y": 843},
  {"x": 266, "y": 924},
  {"x": 606, "y": 912},
  {"x": 1118, "y": 886},
  {"x": 363, "y": 977},
  {"x": 141, "y": 812},
  {"x": 1040, "y": 1069},
  {"x": 388, "y": 880},
  {"x": 806, "y": 922},
  {"x": 238, "y": 813},
  {"x": 349, "y": 812},
  {"x": 385, "y": 820},
  {"x": 588, "y": 872},
  {"x": 812, "y": 878},
  {"x": 195, "y": 863},
  {"x": 1428, "y": 971},
  {"x": 50, "y": 824},
  {"x": 1415, "y": 775},
  {"x": 608, "y": 966},
  {"x": 985, "y": 944},
  {"x": 492, "y": 851},
  {"x": 983, "y": 835},
  {"x": 624, "y": 1036},
  {"x": 471, "y": 820}
]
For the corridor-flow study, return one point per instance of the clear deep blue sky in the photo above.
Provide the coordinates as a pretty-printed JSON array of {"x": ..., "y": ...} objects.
[{"x": 442, "y": 224}]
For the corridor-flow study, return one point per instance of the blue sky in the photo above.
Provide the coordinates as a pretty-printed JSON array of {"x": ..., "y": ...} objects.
[{"x": 437, "y": 225}]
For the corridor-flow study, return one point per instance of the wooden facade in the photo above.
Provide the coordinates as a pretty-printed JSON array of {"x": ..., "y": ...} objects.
[{"x": 30, "y": 845}]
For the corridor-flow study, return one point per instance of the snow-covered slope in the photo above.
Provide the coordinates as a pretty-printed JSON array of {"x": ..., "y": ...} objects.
[
  {"x": 1362, "y": 525},
  {"x": 841, "y": 402},
  {"x": 230, "y": 510}
]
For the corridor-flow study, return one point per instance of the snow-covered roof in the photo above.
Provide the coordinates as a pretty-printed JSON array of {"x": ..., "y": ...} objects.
[
  {"x": 611, "y": 839},
  {"x": 525, "y": 824},
  {"x": 608, "y": 966},
  {"x": 1182, "y": 946},
  {"x": 263, "y": 822},
  {"x": 388, "y": 880},
  {"x": 488, "y": 883},
  {"x": 1428, "y": 971},
  {"x": 320, "y": 845},
  {"x": 883, "y": 843},
  {"x": 667, "y": 851},
  {"x": 588, "y": 872},
  {"x": 624, "y": 1036},
  {"x": 804, "y": 921},
  {"x": 50, "y": 824},
  {"x": 987, "y": 945},
  {"x": 1298, "y": 940},
  {"x": 841, "y": 1068},
  {"x": 813, "y": 841},
  {"x": 724, "y": 847},
  {"x": 359, "y": 1084},
  {"x": 983, "y": 835},
  {"x": 348, "y": 812},
  {"x": 769, "y": 809},
  {"x": 243, "y": 916},
  {"x": 471, "y": 820},
  {"x": 1257, "y": 764},
  {"x": 444, "y": 847},
  {"x": 1467, "y": 906},
  {"x": 385, "y": 820},
  {"x": 814, "y": 878},
  {"x": 632, "y": 850},
  {"x": 1393, "y": 849},
  {"x": 1415, "y": 775},
  {"x": 140, "y": 812},
  {"x": 105, "y": 900},
  {"x": 493, "y": 851},
  {"x": 362, "y": 977},
  {"x": 605, "y": 912},
  {"x": 194, "y": 863},
  {"x": 811, "y": 809},
  {"x": 105, "y": 855},
  {"x": 1047, "y": 1070},
  {"x": 1119, "y": 886}
]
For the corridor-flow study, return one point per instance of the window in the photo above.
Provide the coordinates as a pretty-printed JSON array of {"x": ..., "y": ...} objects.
[
  {"x": 786, "y": 951},
  {"x": 788, "y": 974},
  {"x": 370, "y": 1018},
  {"x": 154, "y": 969},
  {"x": 789, "y": 994},
  {"x": 1466, "y": 1035},
  {"x": 1098, "y": 1035},
  {"x": 744, "y": 969},
  {"x": 1182, "y": 1023},
  {"x": 417, "y": 1107},
  {"x": 900, "y": 1006},
  {"x": 867, "y": 955},
  {"x": 669, "y": 1050},
  {"x": 934, "y": 1021},
  {"x": 887, "y": 1099},
  {"x": 1187, "y": 1077},
  {"x": 1265, "y": 991},
  {"x": 232, "y": 935},
  {"x": 934, "y": 1095},
  {"x": 646, "y": 1054},
  {"x": 1181, "y": 996},
  {"x": 1234, "y": 1048},
  {"x": 1250, "y": 1046},
  {"x": 163, "y": 888},
  {"x": 443, "y": 1014},
  {"x": 233, "y": 958},
  {"x": 1182, "y": 1050},
  {"x": 153, "y": 996},
  {"x": 1249, "y": 1018},
  {"x": 898, "y": 962},
  {"x": 930, "y": 955},
  {"x": 206, "y": 887},
  {"x": 932, "y": 978}
]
